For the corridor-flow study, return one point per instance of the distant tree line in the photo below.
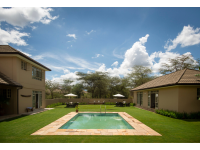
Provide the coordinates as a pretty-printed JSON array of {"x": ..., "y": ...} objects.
[{"x": 101, "y": 85}]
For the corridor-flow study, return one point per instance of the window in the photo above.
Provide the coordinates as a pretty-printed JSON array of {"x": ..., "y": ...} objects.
[
  {"x": 198, "y": 93},
  {"x": 36, "y": 73},
  {"x": 139, "y": 98},
  {"x": 8, "y": 93},
  {"x": 23, "y": 65},
  {"x": 149, "y": 98},
  {"x": 37, "y": 99},
  {"x": 5, "y": 93}
]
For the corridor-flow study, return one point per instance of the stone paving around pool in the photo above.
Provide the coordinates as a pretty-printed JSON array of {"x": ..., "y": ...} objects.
[{"x": 139, "y": 127}]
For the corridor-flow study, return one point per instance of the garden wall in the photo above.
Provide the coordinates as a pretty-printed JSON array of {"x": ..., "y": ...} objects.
[{"x": 85, "y": 100}]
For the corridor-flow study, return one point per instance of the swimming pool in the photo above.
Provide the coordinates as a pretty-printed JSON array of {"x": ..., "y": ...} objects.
[{"x": 97, "y": 121}]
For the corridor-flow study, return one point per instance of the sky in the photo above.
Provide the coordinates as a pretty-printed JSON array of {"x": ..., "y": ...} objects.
[{"x": 109, "y": 39}]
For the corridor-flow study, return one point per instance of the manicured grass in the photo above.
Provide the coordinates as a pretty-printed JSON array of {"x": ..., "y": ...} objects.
[{"x": 18, "y": 130}]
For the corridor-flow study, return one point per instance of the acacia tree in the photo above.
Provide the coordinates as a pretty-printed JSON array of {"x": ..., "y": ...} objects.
[
  {"x": 78, "y": 89},
  {"x": 51, "y": 86},
  {"x": 66, "y": 87},
  {"x": 139, "y": 75},
  {"x": 114, "y": 83},
  {"x": 94, "y": 81},
  {"x": 179, "y": 63}
]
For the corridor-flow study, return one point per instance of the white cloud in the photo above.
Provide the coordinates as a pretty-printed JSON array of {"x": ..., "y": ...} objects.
[
  {"x": 90, "y": 32},
  {"x": 115, "y": 64},
  {"x": 33, "y": 27},
  {"x": 65, "y": 58},
  {"x": 102, "y": 68},
  {"x": 72, "y": 35},
  {"x": 38, "y": 57},
  {"x": 98, "y": 55},
  {"x": 23, "y": 16},
  {"x": 117, "y": 55},
  {"x": 12, "y": 36},
  {"x": 187, "y": 37},
  {"x": 164, "y": 58},
  {"x": 17, "y": 28},
  {"x": 69, "y": 75},
  {"x": 137, "y": 55},
  {"x": 25, "y": 53}
]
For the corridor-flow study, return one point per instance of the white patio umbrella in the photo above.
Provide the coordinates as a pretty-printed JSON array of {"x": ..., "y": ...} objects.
[
  {"x": 70, "y": 95},
  {"x": 118, "y": 95}
]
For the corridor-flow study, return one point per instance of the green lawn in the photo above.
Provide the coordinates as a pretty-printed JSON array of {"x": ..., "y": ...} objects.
[{"x": 18, "y": 130}]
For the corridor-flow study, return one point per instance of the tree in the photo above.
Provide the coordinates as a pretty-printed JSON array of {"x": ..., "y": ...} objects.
[
  {"x": 66, "y": 87},
  {"x": 139, "y": 75},
  {"x": 51, "y": 86},
  {"x": 94, "y": 81},
  {"x": 179, "y": 63},
  {"x": 78, "y": 89},
  {"x": 113, "y": 87}
]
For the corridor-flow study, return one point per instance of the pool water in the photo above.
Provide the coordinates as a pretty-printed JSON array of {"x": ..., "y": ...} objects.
[{"x": 97, "y": 121}]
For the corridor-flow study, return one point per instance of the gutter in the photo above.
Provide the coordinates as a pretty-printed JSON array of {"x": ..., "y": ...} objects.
[{"x": 167, "y": 85}]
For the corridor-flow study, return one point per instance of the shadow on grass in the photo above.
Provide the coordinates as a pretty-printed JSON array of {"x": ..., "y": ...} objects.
[
  {"x": 14, "y": 118},
  {"x": 191, "y": 120}
]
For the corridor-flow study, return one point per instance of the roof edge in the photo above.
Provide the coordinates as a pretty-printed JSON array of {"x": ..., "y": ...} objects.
[
  {"x": 167, "y": 85},
  {"x": 27, "y": 57}
]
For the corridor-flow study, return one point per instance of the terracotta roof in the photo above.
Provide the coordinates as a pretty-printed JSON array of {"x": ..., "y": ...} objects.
[
  {"x": 182, "y": 77},
  {"x": 5, "y": 80},
  {"x": 6, "y": 49}
]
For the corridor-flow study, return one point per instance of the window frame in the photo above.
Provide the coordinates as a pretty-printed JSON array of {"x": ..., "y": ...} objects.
[
  {"x": 36, "y": 73},
  {"x": 23, "y": 65}
]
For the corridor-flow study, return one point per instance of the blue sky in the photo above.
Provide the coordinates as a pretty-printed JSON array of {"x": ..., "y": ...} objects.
[{"x": 71, "y": 39}]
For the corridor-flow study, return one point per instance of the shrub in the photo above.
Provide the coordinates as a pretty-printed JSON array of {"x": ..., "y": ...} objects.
[
  {"x": 132, "y": 104},
  {"x": 110, "y": 103},
  {"x": 177, "y": 115},
  {"x": 54, "y": 105},
  {"x": 82, "y": 103}
]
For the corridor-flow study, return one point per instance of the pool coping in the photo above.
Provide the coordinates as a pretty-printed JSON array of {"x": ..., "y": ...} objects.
[{"x": 139, "y": 127}]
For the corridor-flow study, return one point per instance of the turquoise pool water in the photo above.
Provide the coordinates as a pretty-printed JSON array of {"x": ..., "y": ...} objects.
[{"x": 97, "y": 121}]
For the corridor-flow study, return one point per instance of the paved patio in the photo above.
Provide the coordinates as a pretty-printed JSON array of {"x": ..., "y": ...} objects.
[{"x": 139, "y": 127}]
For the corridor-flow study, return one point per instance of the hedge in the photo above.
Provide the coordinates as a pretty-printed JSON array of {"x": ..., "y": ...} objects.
[{"x": 178, "y": 115}]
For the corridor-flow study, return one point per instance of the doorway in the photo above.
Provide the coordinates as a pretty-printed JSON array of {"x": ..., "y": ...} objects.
[
  {"x": 153, "y": 100},
  {"x": 37, "y": 101}
]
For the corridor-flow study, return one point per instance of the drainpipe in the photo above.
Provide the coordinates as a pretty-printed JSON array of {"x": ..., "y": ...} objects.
[{"x": 18, "y": 99}]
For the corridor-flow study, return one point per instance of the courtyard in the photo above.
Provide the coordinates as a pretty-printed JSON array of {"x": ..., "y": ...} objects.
[{"x": 19, "y": 129}]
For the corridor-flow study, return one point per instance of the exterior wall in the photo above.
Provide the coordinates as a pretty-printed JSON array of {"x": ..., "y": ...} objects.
[
  {"x": 144, "y": 99},
  {"x": 135, "y": 97},
  {"x": 85, "y": 100},
  {"x": 188, "y": 99},
  {"x": 13, "y": 70},
  {"x": 168, "y": 98},
  {"x": 176, "y": 98}
]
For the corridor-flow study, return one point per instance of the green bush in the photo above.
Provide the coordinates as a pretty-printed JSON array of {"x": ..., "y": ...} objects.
[
  {"x": 110, "y": 103},
  {"x": 54, "y": 105},
  {"x": 177, "y": 115},
  {"x": 82, "y": 103}
]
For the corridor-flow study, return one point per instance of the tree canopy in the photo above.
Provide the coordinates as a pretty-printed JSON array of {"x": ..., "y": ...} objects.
[
  {"x": 52, "y": 86},
  {"x": 179, "y": 63},
  {"x": 140, "y": 75}
]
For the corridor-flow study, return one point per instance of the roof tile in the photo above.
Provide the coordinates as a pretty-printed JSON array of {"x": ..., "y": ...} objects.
[
  {"x": 185, "y": 76},
  {"x": 5, "y": 80}
]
